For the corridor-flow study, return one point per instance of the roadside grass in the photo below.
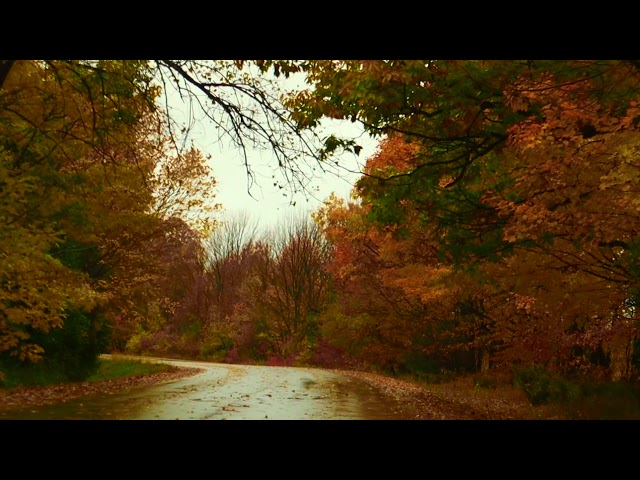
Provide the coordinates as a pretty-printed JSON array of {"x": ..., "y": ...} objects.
[
  {"x": 108, "y": 369},
  {"x": 116, "y": 368}
]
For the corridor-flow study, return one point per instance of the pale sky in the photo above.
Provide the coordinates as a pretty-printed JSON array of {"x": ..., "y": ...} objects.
[{"x": 268, "y": 205}]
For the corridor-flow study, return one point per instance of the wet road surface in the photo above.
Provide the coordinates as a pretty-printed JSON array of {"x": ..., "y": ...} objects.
[{"x": 233, "y": 392}]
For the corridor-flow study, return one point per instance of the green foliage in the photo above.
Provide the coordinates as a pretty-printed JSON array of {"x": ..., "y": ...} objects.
[
  {"x": 40, "y": 374},
  {"x": 607, "y": 401},
  {"x": 80, "y": 256},
  {"x": 215, "y": 353},
  {"x": 421, "y": 365},
  {"x": 542, "y": 388},
  {"x": 90, "y": 186},
  {"x": 428, "y": 368},
  {"x": 18, "y": 374},
  {"x": 73, "y": 349},
  {"x": 580, "y": 398}
]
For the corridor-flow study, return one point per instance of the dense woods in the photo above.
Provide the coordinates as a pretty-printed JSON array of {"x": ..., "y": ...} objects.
[{"x": 496, "y": 228}]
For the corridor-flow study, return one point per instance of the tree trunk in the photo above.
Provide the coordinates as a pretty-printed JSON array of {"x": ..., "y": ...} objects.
[
  {"x": 619, "y": 363},
  {"x": 484, "y": 360}
]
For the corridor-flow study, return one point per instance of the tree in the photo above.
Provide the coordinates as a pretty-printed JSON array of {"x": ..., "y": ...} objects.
[
  {"x": 293, "y": 286},
  {"x": 50, "y": 152},
  {"x": 93, "y": 168},
  {"x": 519, "y": 172},
  {"x": 228, "y": 244},
  {"x": 167, "y": 300},
  {"x": 395, "y": 299},
  {"x": 461, "y": 115},
  {"x": 80, "y": 198},
  {"x": 233, "y": 252}
]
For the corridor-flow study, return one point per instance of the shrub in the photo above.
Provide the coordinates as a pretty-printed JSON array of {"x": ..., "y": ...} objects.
[
  {"x": 73, "y": 350},
  {"x": 71, "y": 353},
  {"x": 542, "y": 388},
  {"x": 327, "y": 355},
  {"x": 607, "y": 401}
]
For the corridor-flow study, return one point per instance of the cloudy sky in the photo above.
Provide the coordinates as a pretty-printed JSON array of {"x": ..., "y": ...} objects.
[
  {"x": 265, "y": 202},
  {"x": 268, "y": 203}
]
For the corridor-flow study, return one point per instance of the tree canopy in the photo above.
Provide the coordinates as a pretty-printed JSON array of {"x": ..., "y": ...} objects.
[{"x": 496, "y": 225}]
